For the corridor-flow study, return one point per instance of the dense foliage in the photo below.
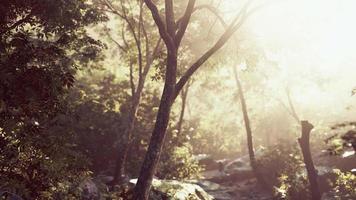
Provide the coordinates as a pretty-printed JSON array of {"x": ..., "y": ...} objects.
[
  {"x": 41, "y": 51},
  {"x": 72, "y": 70}
]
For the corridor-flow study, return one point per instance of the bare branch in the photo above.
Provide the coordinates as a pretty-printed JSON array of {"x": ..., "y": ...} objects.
[
  {"x": 170, "y": 21},
  {"x": 213, "y": 10},
  {"x": 291, "y": 105},
  {"x": 121, "y": 47},
  {"x": 168, "y": 40},
  {"x": 112, "y": 9},
  {"x": 218, "y": 45},
  {"x": 183, "y": 24},
  {"x": 123, "y": 31},
  {"x": 131, "y": 27},
  {"x": 151, "y": 57},
  {"x": 138, "y": 42},
  {"x": 200, "y": 7},
  {"x": 230, "y": 30},
  {"x": 132, "y": 82}
]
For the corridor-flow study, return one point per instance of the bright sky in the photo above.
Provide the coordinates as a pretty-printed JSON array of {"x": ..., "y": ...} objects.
[{"x": 311, "y": 40}]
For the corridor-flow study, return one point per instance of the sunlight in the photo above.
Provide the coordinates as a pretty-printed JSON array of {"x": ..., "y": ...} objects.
[
  {"x": 321, "y": 30},
  {"x": 315, "y": 39},
  {"x": 189, "y": 99}
]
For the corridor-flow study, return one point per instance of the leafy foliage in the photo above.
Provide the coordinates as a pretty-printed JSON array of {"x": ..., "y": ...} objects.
[
  {"x": 344, "y": 139},
  {"x": 179, "y": 164},
  {"x": 282, "y": 167},
  {"x": 42, "y": 46},
  {"x": 344, "y": 186}
]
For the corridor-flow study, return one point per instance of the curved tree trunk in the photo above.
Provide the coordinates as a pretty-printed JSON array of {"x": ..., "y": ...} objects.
[
  {"x": 153, "y": 154},
  {"x": 251, "y": 151},
  {"x": 309, "y": 165},
  {"x": 172, "y": 33},
  {"x": 120, "y": 164},
  {"x": 184, "y": 96},
  {"x": 136, "y": 99}
]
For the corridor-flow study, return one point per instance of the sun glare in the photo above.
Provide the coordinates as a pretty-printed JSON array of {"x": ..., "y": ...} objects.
[{"x": 315, "y": 39}]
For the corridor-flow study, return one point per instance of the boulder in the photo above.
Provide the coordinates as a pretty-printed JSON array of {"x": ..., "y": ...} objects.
[
  {"x": 176, "y": 190},
  {"x": 89, "y": 190},
  {"x": 207, "y": 161}
]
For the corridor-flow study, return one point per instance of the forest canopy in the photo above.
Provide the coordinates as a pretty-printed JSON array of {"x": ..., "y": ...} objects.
[{"x": 191, "y": 99}]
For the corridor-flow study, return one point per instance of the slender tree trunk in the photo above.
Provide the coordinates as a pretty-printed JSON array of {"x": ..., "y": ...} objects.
[
  {"x": 184, "y": 96},
  {"x": 120, "y": 164},
  {"x": 150, "y": 162},
  {"x": 251, "y": 151},
  {"x": 172, "y": 35},
  {"x": 143, "y": 70},
  {"x": 309, "y": 165},
  {"x": 119, "y": 172},
  {"x": 136, "y": 99}
]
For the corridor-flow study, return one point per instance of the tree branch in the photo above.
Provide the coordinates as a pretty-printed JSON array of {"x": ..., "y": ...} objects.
[
  {"x": 121, "y": 47},
  {"x": 291, "y": 105},
  {"x": 138, "y": 41},
  {"x": 210, "y": 8},
  {"x": 132, "y": 82},
  {"x": 183, "y": 24},
  {"x": 230, "y": 30},
  {"x": 112, "y": 9},
  {"x": 170, "y": 21},
  {"x": 151, "y": 57},
  {"x": 160, "y": 24}
]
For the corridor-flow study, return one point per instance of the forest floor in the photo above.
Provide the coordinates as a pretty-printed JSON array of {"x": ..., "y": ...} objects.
[{"x": 231, "y": 189}]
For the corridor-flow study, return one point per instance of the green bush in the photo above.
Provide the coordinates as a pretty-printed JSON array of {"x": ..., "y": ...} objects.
[
  {"x": 282, "y": 168},
  {"x": 292, "y": 187},
  {"x": 178, "y": 163},
  {"x": 344, "y": 186}
]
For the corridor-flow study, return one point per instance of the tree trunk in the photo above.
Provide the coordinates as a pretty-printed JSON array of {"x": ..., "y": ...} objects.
[
  {"x": 150, "y": 162},
  {"x": 309, "y": 165},
  {"x": 184, "y": 96},
  {"x": 251, "y": 151},
  {"x": 119, "y": 172},
  {"x": 172, "y": 36}
]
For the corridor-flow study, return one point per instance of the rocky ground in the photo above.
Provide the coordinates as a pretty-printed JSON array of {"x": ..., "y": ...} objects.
[
  {"x": 230, "y": 187},
  {"x": 223, "y": 180}
]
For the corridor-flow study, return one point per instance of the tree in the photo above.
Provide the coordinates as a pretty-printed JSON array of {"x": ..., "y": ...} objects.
[
  {"x": 246, "y": 120},
  {"x": 309, "y": 164},
  {"x": 172, "y": 33},
  {"x": 141, "y": 41},
  {"x": 184, "y": 96},
  {"x": 42, "y": 47},
  {"x": 249, "y": 136}
]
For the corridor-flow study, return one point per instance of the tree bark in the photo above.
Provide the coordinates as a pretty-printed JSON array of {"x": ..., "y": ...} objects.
[
  {"x": 136, "y": 99},
  {"x": 171, "y": 89},
  {"x": 309, "y": 165},
  {"x": 184, "y": 96},
  {"x": 136, "y": 92},
  {"x": 153, "y": 154},
  {"x": 251, "y": 151},
  {"x": 249, "y": 136},
  {"x": 119, "y": 172}
]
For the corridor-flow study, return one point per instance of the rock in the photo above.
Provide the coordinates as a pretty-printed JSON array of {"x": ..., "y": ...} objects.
[
  {"x": 176, "y": 190},
  {"x": 207, "y": 161},
  {"x": 238, "y": 165},
  {"x": 89, "y": 190},
  {"x": 236, "y": 176},
  {"x": 207, "y": 185}
]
